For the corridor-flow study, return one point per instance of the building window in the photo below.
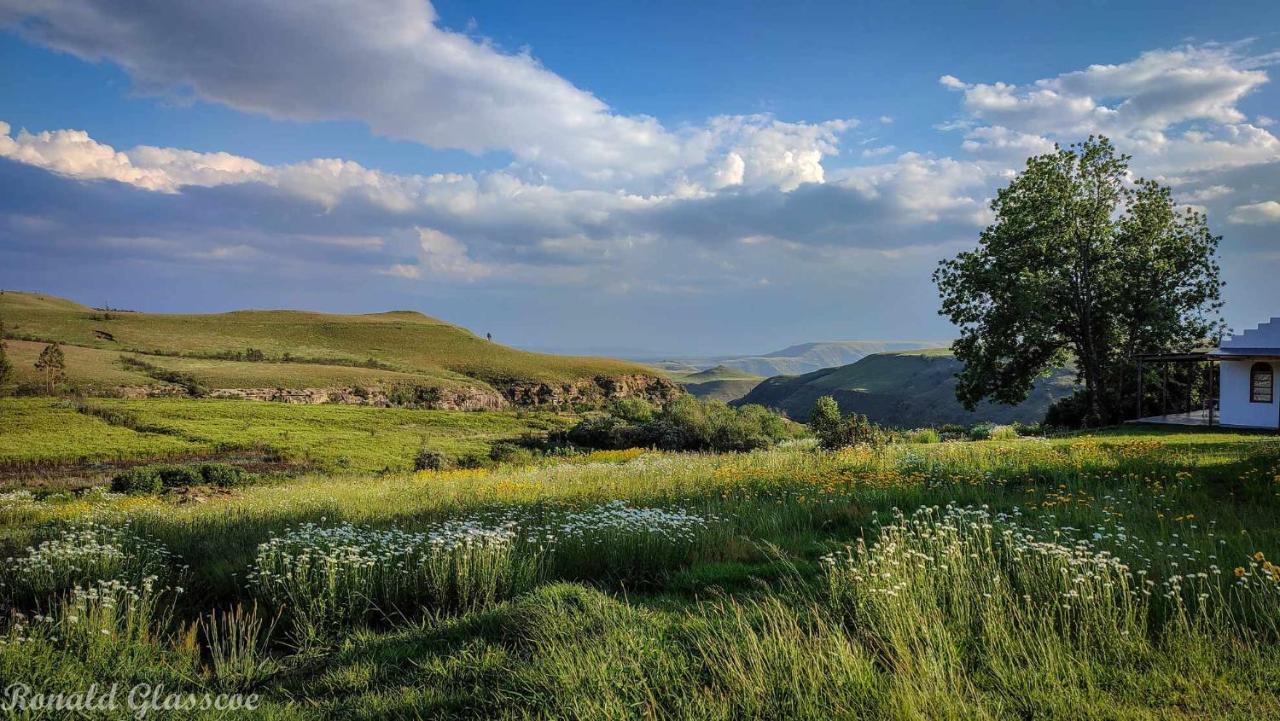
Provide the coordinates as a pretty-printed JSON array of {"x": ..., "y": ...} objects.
[{"x": 1261, "y": 383}]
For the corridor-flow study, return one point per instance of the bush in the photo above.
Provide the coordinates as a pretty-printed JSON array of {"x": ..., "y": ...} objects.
[
  {"x": 980, "y": 431},
  {"x": 154, "y": 479},
  {"x": 684, "y": 424},
  {"x": 632, "y": 410},
  {"x": 430, "y": 460},
  {"x": 413, "y": 396},
  {"x": 224, "y": 475},
  {"x": 511, "y": 454},
  {"x": 834, "y": 432},
  {"x": 137, "y": 481}
]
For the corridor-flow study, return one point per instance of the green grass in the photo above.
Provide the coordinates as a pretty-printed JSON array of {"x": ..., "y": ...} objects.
[
  {"x": 779, "y": 584},
  {"x": 406, "y": 341},
  {"x": 45, "y": 433}
]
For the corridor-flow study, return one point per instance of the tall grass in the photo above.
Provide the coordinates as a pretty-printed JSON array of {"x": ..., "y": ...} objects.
[{"x": 1105, "y": 577}]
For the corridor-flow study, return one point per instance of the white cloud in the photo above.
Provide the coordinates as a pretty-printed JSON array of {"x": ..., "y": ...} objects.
[
  {"x": 443, "y": 256},
  {"x": 1263, "y": 213},
  {"x": 1174, "y": 110},
  {"x": 387, "y": 63},
  {"x": 402, "y": 270},
  {"x": 876, "y": 152}
]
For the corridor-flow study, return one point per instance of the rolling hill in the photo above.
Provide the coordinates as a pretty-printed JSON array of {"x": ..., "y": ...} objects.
[
  {"x": 720, "y": 383},
  {"x": 904, "y": 389},
  {"x": 328, "y": 355}
]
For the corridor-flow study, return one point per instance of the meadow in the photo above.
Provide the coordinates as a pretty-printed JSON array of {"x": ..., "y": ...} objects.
[
  {"x": 1120, "y": 575},
  {"x": 44, "y": 436}
]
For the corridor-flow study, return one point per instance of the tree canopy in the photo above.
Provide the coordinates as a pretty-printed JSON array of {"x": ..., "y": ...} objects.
[{"x": 1085, "y": 265}]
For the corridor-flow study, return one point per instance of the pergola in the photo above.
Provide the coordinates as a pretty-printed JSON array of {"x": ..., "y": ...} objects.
[{"x": 1204, "y": 414}]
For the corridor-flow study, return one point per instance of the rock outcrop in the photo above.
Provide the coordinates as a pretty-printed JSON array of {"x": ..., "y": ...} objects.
[
  {"x": 594, "y": 391},
  {"x": 588, "y": 392}
]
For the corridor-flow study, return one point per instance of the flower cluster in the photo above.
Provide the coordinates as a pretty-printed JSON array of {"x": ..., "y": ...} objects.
[
  {"x": 614, "y": 518},
  {"x": 81, "y": 554}
]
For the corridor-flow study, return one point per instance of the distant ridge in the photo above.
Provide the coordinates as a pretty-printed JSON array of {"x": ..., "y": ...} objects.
[
  {"x": 906, "y": 389},
  {"x": 803, "y": 357}
]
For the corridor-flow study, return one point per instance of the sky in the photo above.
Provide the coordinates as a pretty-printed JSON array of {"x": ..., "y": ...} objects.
[{"x": 656, "y": 178}]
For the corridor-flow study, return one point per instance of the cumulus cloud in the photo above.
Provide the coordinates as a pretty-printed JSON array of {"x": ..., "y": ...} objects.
[
  {"x": 1263, "y": 213},
  {"x": 1174, "y": 110}
]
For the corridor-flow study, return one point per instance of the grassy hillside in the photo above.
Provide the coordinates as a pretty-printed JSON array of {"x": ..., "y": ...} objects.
[
  {"x": 303, "y": 349},
  {"x": 43, "y": 436},
  {"x": 904, "y": 389}
]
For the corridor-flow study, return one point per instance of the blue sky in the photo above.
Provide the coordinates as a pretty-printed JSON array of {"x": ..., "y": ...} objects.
[{"x": 672, "y": 177}]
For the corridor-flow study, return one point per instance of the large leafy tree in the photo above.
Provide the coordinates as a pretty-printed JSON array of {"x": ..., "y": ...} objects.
[{"x": 1082, "y": 265}]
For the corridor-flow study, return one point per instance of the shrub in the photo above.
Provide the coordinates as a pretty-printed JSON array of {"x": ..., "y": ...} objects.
[
  {"x": 632, "y": 410},
  {"x": 980, "y": 431},
  {"x": 144, "y": 479},
  {"x": 430, "y": 460},
  {"x": 510, "y": 453},
  {"x": 684, "y": 424},
  {"x": 154, "y": 479},
  {"x": 834, "y": 432},
  {"x": 224, "y": 475},
  {"x": 413, "y": 396}
]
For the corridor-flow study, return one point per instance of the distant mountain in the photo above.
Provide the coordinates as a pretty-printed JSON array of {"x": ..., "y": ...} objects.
[
  {"x": 801, "y": 358},
  {"x": 906, "y": 389},
  {"x": 809, "y": 357}
]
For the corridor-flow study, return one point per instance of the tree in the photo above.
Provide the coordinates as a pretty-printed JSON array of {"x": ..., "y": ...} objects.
[
  {"x": 1083, "y": 266},
  {"x": 53, "y": 365},
  {"x": 6, "y": 368}
]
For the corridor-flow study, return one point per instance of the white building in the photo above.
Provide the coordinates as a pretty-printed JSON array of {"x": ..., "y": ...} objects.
[{"x": 1247, "y": 367}]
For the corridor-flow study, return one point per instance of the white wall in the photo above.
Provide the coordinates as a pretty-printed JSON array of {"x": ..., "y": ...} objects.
[{"x": 1233, "y": 397}]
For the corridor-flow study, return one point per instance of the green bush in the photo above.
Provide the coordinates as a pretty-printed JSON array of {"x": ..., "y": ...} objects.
[
  {"x": 224, "y": 475},
  {"x": 834, "y": 431},
  {"x": 981, "y": 431},
  {"x": 154, "y": 479},
  {"x": 511, "y": 454},
  {"x": 632, "y": 410},
  {"x": 413, "y": 396},
  {"x": 140, "y": 480},
  {"x": 684, "y": 424},
  {"x": 429, "y": 459}
]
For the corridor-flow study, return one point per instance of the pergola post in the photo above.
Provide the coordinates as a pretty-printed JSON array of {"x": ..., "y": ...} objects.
[{"x": 1142, "y": 384}]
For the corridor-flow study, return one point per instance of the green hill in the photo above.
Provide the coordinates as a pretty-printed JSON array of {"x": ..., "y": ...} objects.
[
  {"x": 720, "y": 373},
  {"x": 905, "y": 389},
  {"x": 720, "y": 383},
  {"x": 299, "y": 349}
]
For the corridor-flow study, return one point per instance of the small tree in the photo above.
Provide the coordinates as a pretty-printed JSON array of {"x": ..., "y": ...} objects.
[
  {"x": 824, "y": 421},
  {"x": 53, "y": 365},
  {"x": 6, "y": 368}
]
